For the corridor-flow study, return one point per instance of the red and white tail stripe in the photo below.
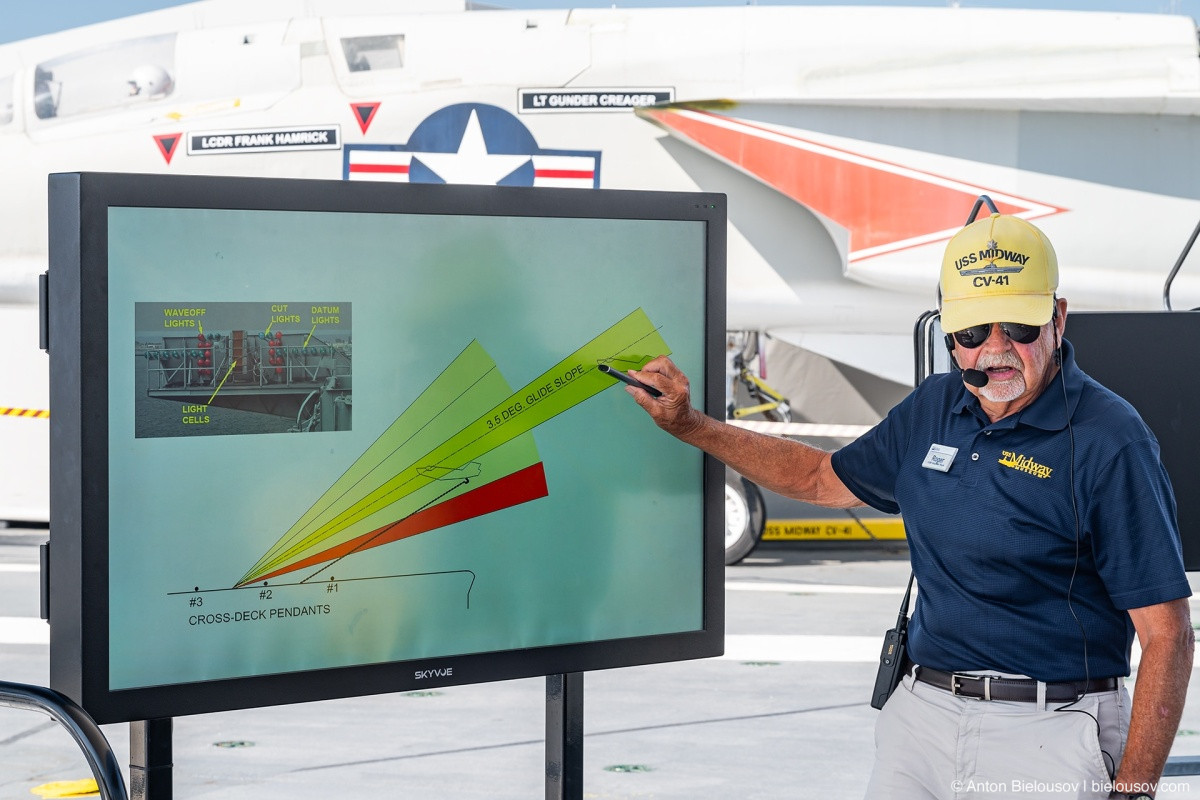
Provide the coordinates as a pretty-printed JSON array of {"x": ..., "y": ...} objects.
[{"x": 885, "y": 206}]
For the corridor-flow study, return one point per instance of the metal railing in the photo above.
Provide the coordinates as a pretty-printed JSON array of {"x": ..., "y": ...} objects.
[{"x": 83, "y": 729}]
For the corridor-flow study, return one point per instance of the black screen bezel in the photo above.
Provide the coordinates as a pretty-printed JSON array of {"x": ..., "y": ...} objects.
[{"x": 79, "y": 564}]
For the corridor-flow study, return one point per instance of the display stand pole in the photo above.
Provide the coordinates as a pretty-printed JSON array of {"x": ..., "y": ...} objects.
[
  {"x": 150, "y": 759},
  {"x": 564, "y": 736}
]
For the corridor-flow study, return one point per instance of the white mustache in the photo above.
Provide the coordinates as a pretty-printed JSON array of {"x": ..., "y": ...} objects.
[{"x": 999, "y": 360}]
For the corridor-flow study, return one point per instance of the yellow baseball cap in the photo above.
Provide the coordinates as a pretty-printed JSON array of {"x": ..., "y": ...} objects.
[{"x": 998, "y": 269}]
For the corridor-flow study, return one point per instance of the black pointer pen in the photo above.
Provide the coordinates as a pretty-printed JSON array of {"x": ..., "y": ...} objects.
[{"x": 621, "y": 376}]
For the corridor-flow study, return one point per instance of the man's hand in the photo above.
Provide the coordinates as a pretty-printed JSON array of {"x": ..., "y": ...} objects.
[{"x": 673, "y": 411}]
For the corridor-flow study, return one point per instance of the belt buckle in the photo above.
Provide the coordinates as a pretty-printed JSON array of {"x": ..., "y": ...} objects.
[{"x": 955, "y": 685}]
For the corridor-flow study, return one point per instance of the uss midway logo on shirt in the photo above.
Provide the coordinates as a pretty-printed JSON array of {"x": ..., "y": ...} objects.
[{"x": 1023, "y": 463}]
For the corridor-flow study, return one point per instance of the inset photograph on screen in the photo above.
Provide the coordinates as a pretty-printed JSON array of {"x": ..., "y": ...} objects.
[{"x": 209, "y": 369}]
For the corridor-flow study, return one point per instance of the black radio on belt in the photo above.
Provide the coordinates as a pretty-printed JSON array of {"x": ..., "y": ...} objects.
[{"x": 891, "y": 660}]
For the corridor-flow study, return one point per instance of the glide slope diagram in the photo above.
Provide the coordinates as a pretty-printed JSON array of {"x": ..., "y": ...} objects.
[{"x": 462, "y": 449}]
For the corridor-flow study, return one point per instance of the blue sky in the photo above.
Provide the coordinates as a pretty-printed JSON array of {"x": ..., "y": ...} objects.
[{"x": 20, "y": 19}]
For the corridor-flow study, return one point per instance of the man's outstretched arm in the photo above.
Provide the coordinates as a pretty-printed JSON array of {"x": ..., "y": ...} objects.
[{"x": 784, "y": 466}]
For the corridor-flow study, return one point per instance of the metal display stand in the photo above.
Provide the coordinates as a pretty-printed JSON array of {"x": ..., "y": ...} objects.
[
  {"x": 150, "y": 742},
  {"x": 150, "y": 759},
  {"x": 564, "y": 736},
  {"x": 83, "y": 729}
]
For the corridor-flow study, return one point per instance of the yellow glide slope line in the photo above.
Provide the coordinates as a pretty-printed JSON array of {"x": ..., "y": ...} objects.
[
  {"x": 448, "y": 433},
  {"x": 469, "y": 386}
]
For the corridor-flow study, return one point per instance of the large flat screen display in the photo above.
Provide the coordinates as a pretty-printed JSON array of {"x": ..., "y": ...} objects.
[{"x": 319, "y": 439}]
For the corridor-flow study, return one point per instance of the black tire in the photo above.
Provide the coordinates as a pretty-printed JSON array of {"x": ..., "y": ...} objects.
[{"x": 745, "y": 517}]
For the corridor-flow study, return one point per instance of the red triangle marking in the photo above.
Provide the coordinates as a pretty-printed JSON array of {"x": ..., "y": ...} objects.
[
  {"x": 885, "y": 206},
  {"x": 520, "y": 487},
  {"x": 364, "y": 113},
  {"x": 167, "y": 142}
]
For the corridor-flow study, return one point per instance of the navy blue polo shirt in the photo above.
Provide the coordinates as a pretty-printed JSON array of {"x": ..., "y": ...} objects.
[{"x": 993, "y": 538}]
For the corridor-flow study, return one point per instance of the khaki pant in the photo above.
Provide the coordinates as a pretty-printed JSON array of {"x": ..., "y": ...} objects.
[{"x": 931, "y": 745}]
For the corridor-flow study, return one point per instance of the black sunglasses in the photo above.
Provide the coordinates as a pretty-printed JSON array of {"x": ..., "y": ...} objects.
[{"x": 976, "y": 335}]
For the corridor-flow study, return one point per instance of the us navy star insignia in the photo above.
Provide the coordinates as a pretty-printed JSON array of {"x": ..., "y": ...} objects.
[{"x": 472, "y": 163}]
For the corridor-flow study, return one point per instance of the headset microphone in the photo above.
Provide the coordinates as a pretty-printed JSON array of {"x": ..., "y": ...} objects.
[{"x": 975, "y": 377}]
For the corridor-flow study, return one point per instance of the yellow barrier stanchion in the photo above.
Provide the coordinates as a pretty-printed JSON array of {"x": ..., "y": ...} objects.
[{"x": 32, "y": 413}]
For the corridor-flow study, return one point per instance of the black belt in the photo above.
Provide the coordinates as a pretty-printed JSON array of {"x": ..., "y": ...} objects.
[{"x": 1023, "y": 690}]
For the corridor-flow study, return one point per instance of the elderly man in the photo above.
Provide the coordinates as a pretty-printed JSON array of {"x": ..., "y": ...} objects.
[{"x": 1042, "y": 532}]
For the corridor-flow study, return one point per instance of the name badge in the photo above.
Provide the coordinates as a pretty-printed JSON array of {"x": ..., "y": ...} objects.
[{"x": 940, "y": 457}]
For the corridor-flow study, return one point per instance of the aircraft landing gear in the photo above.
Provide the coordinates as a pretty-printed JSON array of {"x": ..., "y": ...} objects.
[{"x": 745, "y": 517}]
